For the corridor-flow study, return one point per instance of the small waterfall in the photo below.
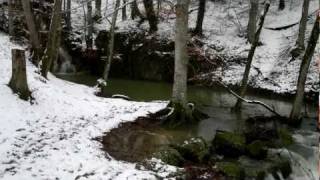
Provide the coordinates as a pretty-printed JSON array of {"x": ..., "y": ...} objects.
[{"x": 64, "y": 64}]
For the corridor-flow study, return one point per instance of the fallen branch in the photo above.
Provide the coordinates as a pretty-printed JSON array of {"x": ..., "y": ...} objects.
[{"x": 247, "y": 100}]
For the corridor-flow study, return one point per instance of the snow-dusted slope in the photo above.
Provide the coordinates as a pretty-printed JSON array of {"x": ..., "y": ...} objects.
[{"x": 52, "y": 139}]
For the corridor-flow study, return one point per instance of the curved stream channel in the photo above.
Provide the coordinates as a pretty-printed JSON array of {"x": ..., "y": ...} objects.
[{"x": 136, "y": 143}]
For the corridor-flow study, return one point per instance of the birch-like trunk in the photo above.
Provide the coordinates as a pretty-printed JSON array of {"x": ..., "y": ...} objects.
[
  {"x": 111, "y": 41},
  {"x": 305, "y": 64},
  {"x": 253, "y": 16},
  {"x": 179, "y": 93},
  {"x": 53, "y": 43}
]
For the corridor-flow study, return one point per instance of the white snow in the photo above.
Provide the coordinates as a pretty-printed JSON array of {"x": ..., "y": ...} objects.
[{"x": 52, "y": 138}]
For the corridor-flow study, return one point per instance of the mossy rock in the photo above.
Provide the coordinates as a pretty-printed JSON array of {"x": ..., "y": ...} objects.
[
  {"x": 285, "y": 137},
  {"x": 257, "y": 150},
  {"x": 232, "y": 170},
  {"x": 228, "y": 144},
  {"x": 195, "y": 150},
  {"x": 170, "y": 156},
  {"x": 282, "y": 166}
]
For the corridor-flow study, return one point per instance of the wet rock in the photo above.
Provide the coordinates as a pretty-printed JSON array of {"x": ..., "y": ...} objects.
[
  {"x": 232, "y": 170},
  {"x": 281, "y": 166},
  {"x": 257, "y": 149},
  {"x": 285, "y": 137},
  {"x": 194, "y": 150},
  {"x": 228, "y": 144},
  {"x": 170, "y": 156}
]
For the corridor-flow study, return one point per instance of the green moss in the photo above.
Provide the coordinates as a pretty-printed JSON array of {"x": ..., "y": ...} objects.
[
  {"x": 257, "y": 150},
  {"x": 285, "y": 137},
  {"x": 228, "y": 144},
  {"x": 170, "y": 156},
  {"x": 231, "y": 169}
]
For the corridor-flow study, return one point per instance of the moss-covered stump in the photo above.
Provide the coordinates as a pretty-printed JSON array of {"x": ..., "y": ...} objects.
[
  {"x": 257, "y": 150},
  {"x": 195, "y": 150},
  {"x": 170, "y": 156},
  {"x": 232, "y": 170},
  {"x": 228, "y": 144}
]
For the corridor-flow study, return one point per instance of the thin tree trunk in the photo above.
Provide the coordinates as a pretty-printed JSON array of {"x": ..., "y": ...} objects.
[
  {"x": 18, "y": 82},
  {"x": 68, "y": 15},
  {"x": 53, "y": 43},
  {"x": 282, "y": 4},
  {"x": 11, "y": 15},
  {"x": 303, "y": 25},
  {"x": 111, "y": 42},
  {"x": 124, "y": 10},
  {"x": 245, "y": 79},
  {"x": 33, "y": 33},
  {"x": 158, "y": 7},
  {"x": 98, "y": 8},
  {"x": 151, "y": 16},
  {"x": 179, "y": 93},
  {"x": 252, "y": 24},
  {"x": 201, "y": 12},
  {"x": 135, "y": 12},
  {"x": 89, "y": 25},
  {"x": 305, "y": 64}
]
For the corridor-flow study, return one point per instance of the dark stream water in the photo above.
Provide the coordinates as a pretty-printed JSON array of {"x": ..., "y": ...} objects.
[{"x": 217, "y": 103}]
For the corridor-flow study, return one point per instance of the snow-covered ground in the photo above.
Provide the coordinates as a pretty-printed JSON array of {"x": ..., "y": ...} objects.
[
  {"x": 225, "y": 26},
  {"x": 52, "y": 138}
]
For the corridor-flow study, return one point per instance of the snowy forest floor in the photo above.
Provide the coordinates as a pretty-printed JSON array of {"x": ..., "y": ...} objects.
[
  {"x": 53, "y": 137},
  {"x": 225, "y": 28}
]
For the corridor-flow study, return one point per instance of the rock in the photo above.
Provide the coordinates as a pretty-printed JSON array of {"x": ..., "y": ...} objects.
[
  {"x": 257, "y": 150},
  {"x": 282, "y": 166},
  {"x": 170, "y": 156},
  {"x": 261, "y": 128},
  {"x": 228, "y": 144},
  {"x": 285, "y": 137},
  {"x": 195, "y": 150},
  {"x": 232, "y": 170}
]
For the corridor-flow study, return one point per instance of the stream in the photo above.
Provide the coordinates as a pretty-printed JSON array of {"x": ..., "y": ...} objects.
[{"x": 138, "y": 143}]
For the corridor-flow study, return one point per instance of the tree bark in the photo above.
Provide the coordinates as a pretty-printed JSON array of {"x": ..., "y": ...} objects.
[
  {"x": 11, "y": 15},
  {"x": 305, "y": 64},
  {"x": 302, "y": 26},
  {"x": 252, "y": 24},
  {"x": 282, "y": 4},
  {"x": 98, "y": 9},
  {"x": 111, "y": 42},
  {"x": 124, "y": 10},
  {"x": 53, "y": 43},
  {"x": 135, "y": 12},
  {"x": 179, "y": 93},
  {"x": 68, "y": 15},
  {"x": 89, "y": 25},
  {"x": 245, "y": 79},
  {"x": 18, "y": 82},
  {"x": 151, "y": 16},
  {"x": 33, "y": 33},
  {"x": 200, "y": 17}
]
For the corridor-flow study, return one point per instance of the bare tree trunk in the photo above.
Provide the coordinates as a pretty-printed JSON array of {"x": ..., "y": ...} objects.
[
  {"x": 135, "y": 12},
  {"x": 305, "y": 64},
  {"x": 282, "y": 4},
  {"x": 158, "y": 7},
  {"x": 179, "y": 93},
  {"x": 98, "y": 9},
  {"x": 111, "y": 42},
  {"x": 18, "y": 82},
  {"x": 11, "y": 14},
  {"x": 151, "y": 16},
  {"x": 252, "y": 24},
  {"x": 302, "y": 30},
  {"x": 51, "y": 53},
  {"x": 68, "y": 15},
  {"x": 245, "y": 79},
  {"x": 89, "y": 25},
  {"x": 124, "y": 10},
  {"x": 201, "y": 12},
  {"x": 33, "y": 33}
]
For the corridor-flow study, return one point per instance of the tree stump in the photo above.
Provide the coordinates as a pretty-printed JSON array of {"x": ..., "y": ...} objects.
[{"x": 18, "y": 82}]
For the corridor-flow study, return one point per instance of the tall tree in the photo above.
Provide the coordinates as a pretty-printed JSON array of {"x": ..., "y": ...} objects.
[
  {"x": 299, "y": 47},
  {"x": 282, "y": 4},
  {"x": 68, "y": 15},
  {"x": 124, "y": 10},
  {"x": 111, "y": 43},
  {"x": 89, "y": 25},
  {"x": 135, "y": 12},
  {"x": 200, "y": 17},
  {"x": 151, "y": 16},
  {"x": 305, "y": 64},
  {"x": 33, "y": 33},
  {"x": 245, "y": 79},
  {"x": 253, "y": 16},
  {"x": 179, "y": 92},
  {"x": 53, "y": 43},
  {"x": 98, "y": 8}
]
